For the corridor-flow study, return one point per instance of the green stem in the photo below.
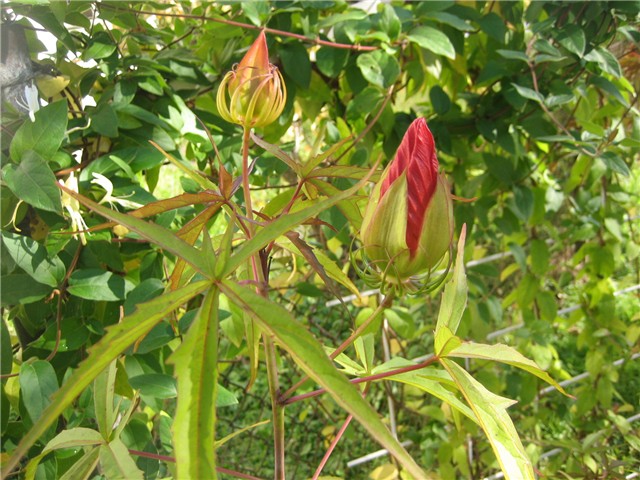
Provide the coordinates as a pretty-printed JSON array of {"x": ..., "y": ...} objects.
[
  {"x": 271, "y": 353},
  {"x": 386, "y": 303},
  {"x": 277, "y": 408},
  {"x": 245, "y": 179}
]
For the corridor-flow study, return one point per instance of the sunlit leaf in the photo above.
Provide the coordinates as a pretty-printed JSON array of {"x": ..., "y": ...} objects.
[{"x": 309, "y": 355}]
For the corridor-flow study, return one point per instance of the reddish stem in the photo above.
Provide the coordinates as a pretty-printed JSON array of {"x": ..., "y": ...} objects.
[
  {"x": 369, "y": 378},
  {"x": 165, "y": 458},
  {"x": 248, "y": 26}
]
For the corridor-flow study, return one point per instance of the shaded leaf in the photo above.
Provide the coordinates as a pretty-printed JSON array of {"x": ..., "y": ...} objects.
[
  {"x": 96, "y": 284},
  {"x": 34, "y": 182},
  {"x": 150, "y": 231},
  {"x": 38, "y": 382},
  {"x": 157, "y": 385},
  {"x": 433, "y": 40},
  {"x": 117, "y": 339},
  {"x": 33, "y": 258}
]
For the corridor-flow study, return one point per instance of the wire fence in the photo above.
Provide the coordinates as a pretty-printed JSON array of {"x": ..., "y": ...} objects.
[{"x": 557, "y": 451}]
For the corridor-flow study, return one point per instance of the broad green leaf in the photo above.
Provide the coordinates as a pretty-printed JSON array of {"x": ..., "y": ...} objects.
[
  {"x": 224, "y": 398},
  {"x": 615, "y": 163},
  {"x": 503, "y": 354},
  {"x": 349, "y": 15},
  {"x": 452, "y": 20},
  {"x": 100, "y": 45},
  {"x": 161, "y": 236},
  {"x": 296, "y": 64},
  {"x": 45, "y": 135},
  {"x": 528, "y": 93},
  {"x": 104, "y": 120},
  {"x": 331, "y": 61},
  {"x": 157, "y": 385},
  {"x": 573, "y": 39},
  {"x": 20, "y": 288},
  {"x": 491, "y": 412},
  {"x": 605, "y": 60},
  {"x": 33, "y": 258},
  {"x": 103, "y": 390},
  {"x": 99, "y": 285},
  {"x": 539, "y": 256},
  {"x": 6, "y": 355},
  {"x": 454, "y": 298},
  {"x": 389, "y": 21},
  {"x": 75, "y": 437},
  {"x": 379, "y": 68},
  {"x": 309, "y": 355},
  {"x": 494, "y": 26},
  {"x": 83, "y": 468},
  {"x": 433, "y": 40},
  {"x": 38, "y": 382},
  {"x": 440, "y": 100},
  {"x": 117, "y": 463},
  {"x": 196, "y": 368},
  {"x": 514, "y": 55},
  {"x": 282, "y": 225},
  {"x": 117, "y": 339},
  {"x": 33, "y": 182}
]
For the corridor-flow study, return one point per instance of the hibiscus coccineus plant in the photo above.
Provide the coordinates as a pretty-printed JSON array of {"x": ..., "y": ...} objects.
[{"x": 405, "y": 247}]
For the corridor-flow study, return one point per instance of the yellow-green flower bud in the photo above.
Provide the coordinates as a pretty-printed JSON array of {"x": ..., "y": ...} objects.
[{"x": 253, "y": 94}]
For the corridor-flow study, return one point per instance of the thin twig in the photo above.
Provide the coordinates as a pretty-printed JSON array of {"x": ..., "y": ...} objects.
[{"x": 248, "y": 26}]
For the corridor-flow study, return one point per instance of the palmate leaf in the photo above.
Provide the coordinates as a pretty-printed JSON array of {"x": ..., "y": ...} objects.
[
  {"x": 117, "y": 339},
  {"x": 454, "y": 298},
  {"x": 310, "y": 356},
  {"x": 503, "y": 354},
  {"x": 190, "y": 233},
  {"x": 196, "y": 369},
  {"x": 491, "y": 412}
]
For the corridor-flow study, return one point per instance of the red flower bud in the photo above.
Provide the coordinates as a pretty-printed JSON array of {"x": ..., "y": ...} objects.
[{"x": 408, "y": 223}]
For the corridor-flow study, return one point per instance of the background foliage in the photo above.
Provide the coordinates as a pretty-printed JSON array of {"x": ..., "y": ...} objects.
[{"x": 534, "y": 111}]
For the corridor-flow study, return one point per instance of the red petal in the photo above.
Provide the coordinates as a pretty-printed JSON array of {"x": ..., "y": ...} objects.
[{"x": 417, "y": 156}]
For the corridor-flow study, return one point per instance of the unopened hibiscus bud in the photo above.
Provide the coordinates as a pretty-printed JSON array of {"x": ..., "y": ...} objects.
[
  {"x": 408, "y": 223},
  {"x": 253, "y": 94}
]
